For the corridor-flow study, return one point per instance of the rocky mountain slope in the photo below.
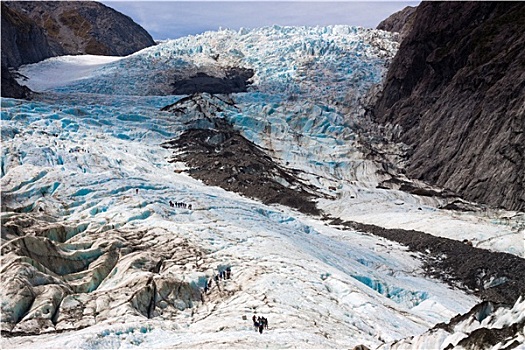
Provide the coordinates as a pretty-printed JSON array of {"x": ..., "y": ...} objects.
[
  {"x": 457, "y": 89},
  {"x": 23, "y": 40},
  {"x": 69, "y": 28},
  {"x": 400, "y": 22},
  {"x": 36, "y": 30}
]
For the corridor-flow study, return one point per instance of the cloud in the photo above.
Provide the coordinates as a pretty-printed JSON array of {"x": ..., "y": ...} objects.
[{"x": 172, "y": 19}]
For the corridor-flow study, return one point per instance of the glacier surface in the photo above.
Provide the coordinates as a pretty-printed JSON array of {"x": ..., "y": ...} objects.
[{"x": 90, "y": 243}]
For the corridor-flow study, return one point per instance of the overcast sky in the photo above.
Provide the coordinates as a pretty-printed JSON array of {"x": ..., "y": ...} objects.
[{"x": 173, "y": 19}]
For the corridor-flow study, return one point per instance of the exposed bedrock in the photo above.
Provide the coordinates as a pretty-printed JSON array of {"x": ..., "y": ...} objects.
[
  {"x": 11, "y": 88},
  {"x": 36, "y": 30},
  {"x": 457, "y": 89},
  {"x": 23, "y": 40},
  {"x": 233, "y": 80}
]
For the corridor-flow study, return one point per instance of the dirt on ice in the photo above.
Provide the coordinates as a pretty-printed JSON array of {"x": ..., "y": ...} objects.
[{"x": 493, "y": 276}]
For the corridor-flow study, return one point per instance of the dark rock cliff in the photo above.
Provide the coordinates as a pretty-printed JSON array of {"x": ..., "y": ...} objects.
[
  {"x": 19, "y": 32},
  {"x": 11, "y": 88},
  {"x": 457, "y": 89},
  {"x": 400, "y": 22},
  {"x": 75, "y": 27},
  {"x": 23, "y": 41}
]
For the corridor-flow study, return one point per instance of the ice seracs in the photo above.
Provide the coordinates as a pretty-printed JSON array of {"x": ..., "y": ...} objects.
[{"x": 319, "y": 62}]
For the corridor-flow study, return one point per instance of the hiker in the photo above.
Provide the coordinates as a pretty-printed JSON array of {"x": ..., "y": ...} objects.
[
  {"x": 136, "y": 190},
  {"x": 189, "y": 206},
  {"x": 265, "y": 322},
  {"x": 171, "y": 204},
  {"x": 261, "y": 327},
  {"x": 228, "y": 272},
  {"x": 467, "y": 242}
]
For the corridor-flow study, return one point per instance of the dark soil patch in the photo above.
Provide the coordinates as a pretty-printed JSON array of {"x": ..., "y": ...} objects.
[
  {"x": 493, "y": 276},
  {"x": 220, "y": 156}
]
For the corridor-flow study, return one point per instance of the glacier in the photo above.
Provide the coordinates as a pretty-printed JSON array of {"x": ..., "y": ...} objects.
[
  {"x": 94, "y": 256},
  {"x": 288, "y": 60}
]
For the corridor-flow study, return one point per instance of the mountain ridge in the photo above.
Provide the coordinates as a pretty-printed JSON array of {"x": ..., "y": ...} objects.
[{"x": 400, "y": 22}]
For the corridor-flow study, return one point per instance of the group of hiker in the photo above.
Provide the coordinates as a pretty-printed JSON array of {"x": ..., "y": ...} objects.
[
  {"x": 180, "y": 205},
  {"x": 174, "y": 204},
  {"x": 77, "y": 150},
  {"x": 224, "y": 274},
  {"x": 260, "y": 323}
]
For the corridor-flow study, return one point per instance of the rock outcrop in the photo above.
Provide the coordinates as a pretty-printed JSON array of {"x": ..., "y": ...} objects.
[
  {"x": 457, "y": 89},
  {"x": 400, "y": 22},
  {"x": 19, "y": 33},
  {"x": 69, "y": 28},
  {"x": 23, "y": 41},
  {"x": 35, "y": 30},
  {"x": 234, "y": 80},
  {"x": 11, "y": 88}
]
